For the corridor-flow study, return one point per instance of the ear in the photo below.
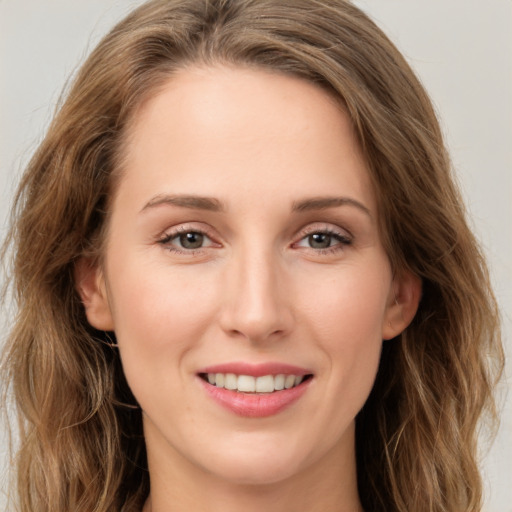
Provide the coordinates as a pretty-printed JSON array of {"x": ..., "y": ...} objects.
[
  {"x": 403, "y": 301},
  {"x": 90, "y": 284}
]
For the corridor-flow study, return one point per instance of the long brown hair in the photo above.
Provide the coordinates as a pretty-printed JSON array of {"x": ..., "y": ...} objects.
[{"x": 81, "y": 446}]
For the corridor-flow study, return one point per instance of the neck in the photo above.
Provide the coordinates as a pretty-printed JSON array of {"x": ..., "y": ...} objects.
[{"x": 272, "y": 498}]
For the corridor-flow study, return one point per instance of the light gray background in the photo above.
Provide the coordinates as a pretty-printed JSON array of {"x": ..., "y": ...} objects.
[{"x": 462, "y": 50}]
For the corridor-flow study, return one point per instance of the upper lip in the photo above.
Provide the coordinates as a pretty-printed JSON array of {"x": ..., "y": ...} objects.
[{"x": 256, "y": 370}]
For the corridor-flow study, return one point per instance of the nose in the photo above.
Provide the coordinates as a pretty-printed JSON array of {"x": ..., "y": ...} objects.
[{"x": 256, "y": 305}]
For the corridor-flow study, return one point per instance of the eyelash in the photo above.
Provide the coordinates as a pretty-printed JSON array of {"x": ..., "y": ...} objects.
[
  {"x": 181, "y": 231},
  {"x": 341, "y": 240}
]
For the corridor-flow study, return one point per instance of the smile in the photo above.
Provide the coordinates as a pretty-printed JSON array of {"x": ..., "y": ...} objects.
[
  {"x": 251, "y": 384},
  {"x": 255, "y": 391}
]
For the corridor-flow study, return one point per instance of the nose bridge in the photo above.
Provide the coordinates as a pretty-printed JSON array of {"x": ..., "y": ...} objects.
[{"x": 257, "y": 306}]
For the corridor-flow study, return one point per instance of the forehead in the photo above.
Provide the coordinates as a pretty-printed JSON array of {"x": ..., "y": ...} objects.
[{"x": 209, "y": 130}]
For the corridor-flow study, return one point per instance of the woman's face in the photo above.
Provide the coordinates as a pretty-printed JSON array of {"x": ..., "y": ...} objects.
[{"x": 243, "y": 251}]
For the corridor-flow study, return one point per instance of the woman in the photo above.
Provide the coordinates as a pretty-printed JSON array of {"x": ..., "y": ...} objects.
[{"x": 244, "y": 276}]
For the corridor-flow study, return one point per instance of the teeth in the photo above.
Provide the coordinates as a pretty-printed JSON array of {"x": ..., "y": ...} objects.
[
  {"x": 289, "y": 381},
  {"x": 265, "y": 384},
  {"x": 250, "y": 384},
  {"x": 230, "y": 381},
  {"x": 246, "y": 383},
  {"x": 219, "y": 380},
  {"x": 279, "y": 382}
]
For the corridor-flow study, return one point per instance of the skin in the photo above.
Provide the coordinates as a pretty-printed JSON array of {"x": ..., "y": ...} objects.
[{"x": 257, "y": 290}]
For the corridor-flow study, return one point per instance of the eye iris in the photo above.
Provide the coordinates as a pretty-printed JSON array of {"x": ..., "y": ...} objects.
[
  {"x": 191, "y": 240},
  {"x": 319, "y": 240}
]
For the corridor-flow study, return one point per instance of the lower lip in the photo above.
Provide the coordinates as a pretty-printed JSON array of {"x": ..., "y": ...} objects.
[{"x": 255, "y": 405}]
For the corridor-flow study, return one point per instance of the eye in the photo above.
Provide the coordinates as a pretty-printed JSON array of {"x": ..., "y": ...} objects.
[
  {"x": 324, "y": 239},
  {"x": 184, "y": 241},
  {"x": 191, "y": 240},
  {"x": 320, "y": 240}
]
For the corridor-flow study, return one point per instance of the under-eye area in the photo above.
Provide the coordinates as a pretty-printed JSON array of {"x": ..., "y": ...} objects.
[{"x": 251, "y": 384}]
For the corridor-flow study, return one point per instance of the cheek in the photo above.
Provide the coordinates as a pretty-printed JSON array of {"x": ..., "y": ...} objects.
[
  {"x": 158, "y": 300},
  {"x": 347, "y": 308},
  {"x": 159, "y": 315},
  {"x": 345, "y": 317}
]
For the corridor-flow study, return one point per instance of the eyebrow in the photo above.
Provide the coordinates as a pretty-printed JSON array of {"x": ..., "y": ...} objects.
[
  {"x": 323, "y": 203},
  {"x": 214, "y": 205},
  {"x": 184, "y": 201}
]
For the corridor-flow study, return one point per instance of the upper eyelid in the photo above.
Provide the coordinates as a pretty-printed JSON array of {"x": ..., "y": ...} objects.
[
  {"x": 323, "y": 227},
  {"x": 343, "y": 239},
  {"x": 185, "y": 228}
]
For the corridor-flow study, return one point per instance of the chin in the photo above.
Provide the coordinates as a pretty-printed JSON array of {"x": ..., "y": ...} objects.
[
  {"x": 256, "y": 465},
  {"x": 256, "y": 473}
]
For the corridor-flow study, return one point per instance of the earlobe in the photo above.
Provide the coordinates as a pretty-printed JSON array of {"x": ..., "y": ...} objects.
[
  {"x": 90, "y": 285},
  {"x": 402, "y": 305}
]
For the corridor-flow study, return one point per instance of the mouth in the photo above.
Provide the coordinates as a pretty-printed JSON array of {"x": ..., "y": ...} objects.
[
  {"x": 255, "y": 390},
  {"x": 263, "y": 384}
]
